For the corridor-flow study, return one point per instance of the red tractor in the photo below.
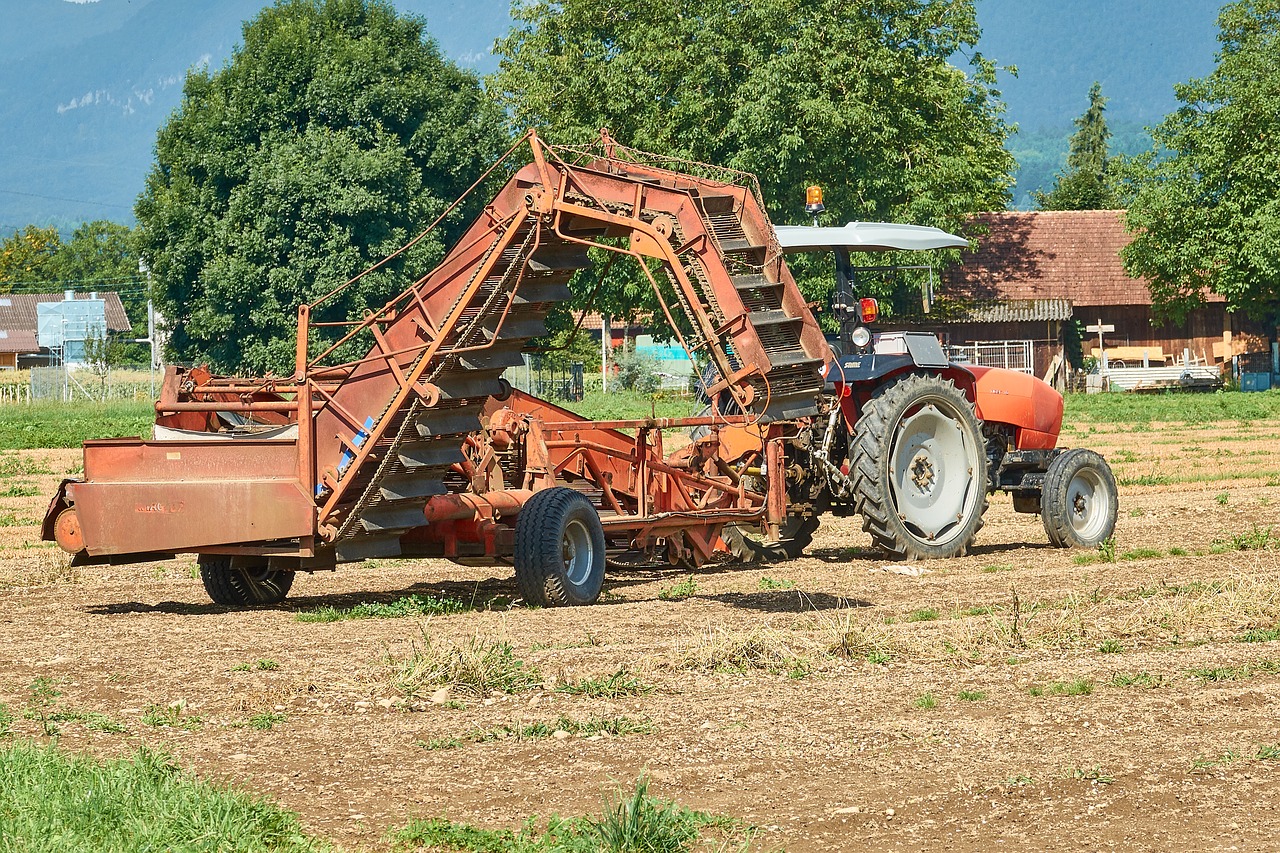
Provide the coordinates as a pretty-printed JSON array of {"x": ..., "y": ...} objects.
[{"x": 915, "y": 443}]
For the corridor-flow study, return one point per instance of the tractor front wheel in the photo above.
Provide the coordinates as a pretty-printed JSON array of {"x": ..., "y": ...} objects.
[
  {"x": 559, "y": 553},
  {"x": 1078, "y": 503},
  {"x": 919, "y": 466},
  {"x": 243, "y": 587}
]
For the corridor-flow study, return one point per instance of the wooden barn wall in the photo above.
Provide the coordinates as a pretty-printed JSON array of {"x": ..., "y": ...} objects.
[{"x": 1136, "y": 326}]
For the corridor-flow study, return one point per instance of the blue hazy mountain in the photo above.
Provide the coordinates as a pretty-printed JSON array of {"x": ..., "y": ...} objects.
[{"x": 84, "y": 84}]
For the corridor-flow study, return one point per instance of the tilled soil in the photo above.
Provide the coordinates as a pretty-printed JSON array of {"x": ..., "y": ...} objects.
[{"x": 1019, "y": 697}]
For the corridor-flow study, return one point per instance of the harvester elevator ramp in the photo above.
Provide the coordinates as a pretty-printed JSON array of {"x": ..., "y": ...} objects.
[{"x": 378, "y": 437}]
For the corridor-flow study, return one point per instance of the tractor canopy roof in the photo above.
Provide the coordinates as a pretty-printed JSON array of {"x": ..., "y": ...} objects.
[{"x": 867, "y": 237}]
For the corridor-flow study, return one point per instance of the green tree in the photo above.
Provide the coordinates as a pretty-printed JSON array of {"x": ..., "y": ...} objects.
[
  {"x": 1087, "y": 183},
  {"x": 334, "y": 134},
  {"x": 1205, "y": 204},
  {"x": 860, "y": 98},
  {"x": 28, "y": 256}
]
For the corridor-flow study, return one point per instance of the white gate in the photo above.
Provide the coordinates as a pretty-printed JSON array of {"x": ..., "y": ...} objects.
[{"x": 1012, "y": 355}]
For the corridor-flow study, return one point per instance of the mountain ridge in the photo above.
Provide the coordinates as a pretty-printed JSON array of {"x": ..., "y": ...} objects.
[{"x": 84, "y": 86}]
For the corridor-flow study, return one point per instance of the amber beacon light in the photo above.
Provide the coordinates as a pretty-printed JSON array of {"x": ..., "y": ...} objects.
[{"x": 813, "y": 200}]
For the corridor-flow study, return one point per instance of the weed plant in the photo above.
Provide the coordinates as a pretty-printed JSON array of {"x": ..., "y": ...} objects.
[
  {"x": 683, "y": 589},
  {"x": 630, "y": 824},
  {"x": 409, "y": 605},
  {"x": 620, "y": 683}
]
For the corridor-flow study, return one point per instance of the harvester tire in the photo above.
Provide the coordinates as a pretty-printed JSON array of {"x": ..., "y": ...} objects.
[
  {"x": 1078, "y": 502},
  {"x": 747, "y": 546},
  {"x": 559, "y": 549},
  {"x": 243, "y": 587},
  {"x": 919, "y": 467}
]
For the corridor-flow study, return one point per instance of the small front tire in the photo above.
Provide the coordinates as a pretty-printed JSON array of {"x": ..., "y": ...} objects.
[
  {"x": 559, "y": 553},
  {"x": 243, "y": 586},
  {"x": 1078, "y": 502}
]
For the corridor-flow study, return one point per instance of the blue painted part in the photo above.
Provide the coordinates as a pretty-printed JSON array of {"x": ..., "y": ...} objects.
[
  {"x": 361, "y": 437},
  {"x": 345, "y": 460}
]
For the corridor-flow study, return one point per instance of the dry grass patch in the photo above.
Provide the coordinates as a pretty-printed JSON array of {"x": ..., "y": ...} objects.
[
  {"x": 761, "y": 649},
  {"x": 1090, "y": 621},
  {"x": 479, "y": 667}
]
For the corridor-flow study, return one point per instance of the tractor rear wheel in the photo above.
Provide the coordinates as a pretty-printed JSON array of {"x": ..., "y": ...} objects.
[
  {"x": 1078, "y": 503},
  {"x": 559, "y": 554},
  {"x": 919, "y": 467},
  {"x": 242, "y": 587}
]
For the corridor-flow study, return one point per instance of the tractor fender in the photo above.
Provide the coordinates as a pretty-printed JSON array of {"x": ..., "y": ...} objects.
[{"x": 872, "y": 370}]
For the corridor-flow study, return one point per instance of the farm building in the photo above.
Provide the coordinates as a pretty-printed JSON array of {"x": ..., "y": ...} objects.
[
  {"x": 19, "y": 324},
  {"x": 1036, "y": 271}
]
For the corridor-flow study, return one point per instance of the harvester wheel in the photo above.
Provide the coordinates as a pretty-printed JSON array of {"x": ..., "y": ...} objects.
[
  {"x": 240, "y": 587},
  {"x": 747, "y": 545},
  {"x": 919, "y": 467},
  {"x": 559, "y": 554},
  {"x": 1078, "y": 502}
]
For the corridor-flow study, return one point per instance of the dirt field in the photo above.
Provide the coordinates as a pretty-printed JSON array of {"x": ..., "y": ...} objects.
[{"x": 1020, "y": 697}]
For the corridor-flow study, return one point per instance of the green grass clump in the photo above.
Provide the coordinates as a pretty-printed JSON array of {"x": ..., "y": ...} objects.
[
  {"x": 768, "y": 583},
  {"x": 639, "y": 823},
  {"x": 683, "y": 589},
  {"x": 54, "y": 801},
  {"x": 1259, "y": 635},
  {"x": 621, "y": 683},
  {"x": 19, "y": 490},
  {"x": 971, "y": 695},
  {"x": 928, "y": 702},
  {"x": 171, "y": 716},
  {"x": 1075, "y": 687},
  {"x": 409, "y": 605},
  {"x": 478, "y": 668},
  {"x": 926, "y": 614},
  {"x": 50, "y": 424},
  {"x": 1110, "y": 646}
]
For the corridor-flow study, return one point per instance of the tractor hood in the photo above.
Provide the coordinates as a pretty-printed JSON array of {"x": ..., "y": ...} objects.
[{"x": 867, "y": 237}]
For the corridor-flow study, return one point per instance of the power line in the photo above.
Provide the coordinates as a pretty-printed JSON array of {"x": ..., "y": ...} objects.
[{"x": 72, "y": 200}]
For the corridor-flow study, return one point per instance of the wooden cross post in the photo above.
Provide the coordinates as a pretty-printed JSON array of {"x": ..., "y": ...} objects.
[{"x": 1102, "y": 353}]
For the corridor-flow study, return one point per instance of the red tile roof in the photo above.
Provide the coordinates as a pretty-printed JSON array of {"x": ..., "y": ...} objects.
[
  {"x": 18, "y": 340},
  {"x": 1051, "y": 254},
  {"x": 18, "y": 310}
]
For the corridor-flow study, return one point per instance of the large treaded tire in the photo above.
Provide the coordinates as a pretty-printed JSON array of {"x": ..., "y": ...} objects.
[
  {"x": 747, "y": 547},
  {"x": 559, "y": 549},
  {"x": 1078, "y": 500},
  {"x": 243, "y": 587},
  {"x": 919, "y": 467}
]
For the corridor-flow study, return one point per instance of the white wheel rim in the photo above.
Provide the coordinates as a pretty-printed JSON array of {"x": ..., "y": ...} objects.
[
  {"x": 577, "y": 552},
  {"x": 931, "y": 472},
  {"x": 1088, "y": 500}
]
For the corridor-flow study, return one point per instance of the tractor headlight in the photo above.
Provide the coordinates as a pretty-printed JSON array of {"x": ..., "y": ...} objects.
[{"x": 861, "y": 336}]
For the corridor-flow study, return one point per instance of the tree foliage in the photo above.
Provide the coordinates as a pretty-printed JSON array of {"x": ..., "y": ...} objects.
[
  {"x": 860, "y": 98},
  {"x": 335, "y": 133},
  {"x": 1205, "y": 205},
  {"x": 28, "y": 256},
  {"x": 1087, "y": 184}
]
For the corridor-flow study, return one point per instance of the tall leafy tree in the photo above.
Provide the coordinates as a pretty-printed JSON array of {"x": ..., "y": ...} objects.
[
  {"x": 28, "y": 256},
  {"x": 1087, "y": 183},
  {"x": 334, "y": 134},
  {"x": 860, "y": 98},
  {"x": 1205, "y": 206}
]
